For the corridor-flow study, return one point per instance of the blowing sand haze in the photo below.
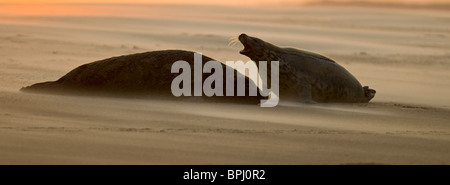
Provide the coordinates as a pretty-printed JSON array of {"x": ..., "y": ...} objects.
[{"x": 402, "y": 53}]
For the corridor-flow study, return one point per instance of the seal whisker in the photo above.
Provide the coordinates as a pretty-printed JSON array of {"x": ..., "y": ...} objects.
[
  {"x": 232, "y": 38},
  {"x": 233, "y": 41}
]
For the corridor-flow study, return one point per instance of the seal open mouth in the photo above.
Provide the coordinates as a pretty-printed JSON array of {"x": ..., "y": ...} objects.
[
  {"x": 246, "y": 49},
  {"x": 244, "y": 38}
]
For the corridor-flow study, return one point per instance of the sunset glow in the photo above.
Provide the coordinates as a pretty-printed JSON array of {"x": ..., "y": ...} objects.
[
  {"x": 65, "y": 7},
  {"x": 219, "y": 2}
]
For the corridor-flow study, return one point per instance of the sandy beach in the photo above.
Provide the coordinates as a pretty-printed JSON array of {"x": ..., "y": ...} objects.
[{"x": 402, "y": 53}]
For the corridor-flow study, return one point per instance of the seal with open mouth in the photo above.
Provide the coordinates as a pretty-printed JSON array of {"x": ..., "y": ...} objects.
[{"x": 305, "y": 76}]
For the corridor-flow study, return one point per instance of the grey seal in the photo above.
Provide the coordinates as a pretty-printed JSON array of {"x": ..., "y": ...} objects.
[
  {"x": 305, "y": 76},
  {"x": 140, "y": 75}
]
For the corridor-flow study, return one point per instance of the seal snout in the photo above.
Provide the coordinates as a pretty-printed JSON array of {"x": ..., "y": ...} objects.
[{"x": 243, "y": 37}]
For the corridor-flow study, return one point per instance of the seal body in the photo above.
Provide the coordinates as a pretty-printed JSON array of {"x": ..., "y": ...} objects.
[
  {"x": 141, "y": 75},
  {"x": 306, "y": 76}
]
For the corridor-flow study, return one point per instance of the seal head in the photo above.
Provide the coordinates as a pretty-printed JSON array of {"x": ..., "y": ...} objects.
[
  {"x": 368, "y": 94},
  {"x": 257, "y": 49}
]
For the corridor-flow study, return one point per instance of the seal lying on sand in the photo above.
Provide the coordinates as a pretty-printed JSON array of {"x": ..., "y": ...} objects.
[
  {"x": 138, "y": 75},
  {"x": 306, "y": 76}
]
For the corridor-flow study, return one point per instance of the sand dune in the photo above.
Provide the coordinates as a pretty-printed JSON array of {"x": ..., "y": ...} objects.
[{"x": 403, "y": 54}]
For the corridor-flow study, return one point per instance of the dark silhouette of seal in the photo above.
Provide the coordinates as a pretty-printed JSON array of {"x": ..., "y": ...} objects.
[
  {"x": 305, "y": 76},
  {"x": 141, "y": 75}
]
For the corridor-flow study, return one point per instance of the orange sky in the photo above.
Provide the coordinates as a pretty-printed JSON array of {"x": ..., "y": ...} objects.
[
  {"x": 42, "y": 7},
  {"x": 224, "y": 2}
]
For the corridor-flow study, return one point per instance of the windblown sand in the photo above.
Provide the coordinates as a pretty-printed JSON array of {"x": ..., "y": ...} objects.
[{"x": 403, "y": 54}]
